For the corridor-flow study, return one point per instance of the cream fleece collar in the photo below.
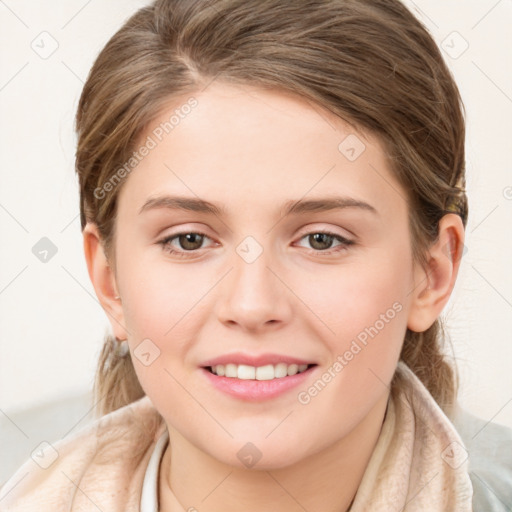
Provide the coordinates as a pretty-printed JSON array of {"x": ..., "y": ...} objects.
[{"x": 419, "y": 462}]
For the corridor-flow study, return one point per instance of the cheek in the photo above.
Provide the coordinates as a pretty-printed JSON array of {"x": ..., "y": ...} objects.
[
  {"x": 350, "y": 299},
  {"x": 161, "y": 305},
  {"x": 367, "y": 312},
  {"x": 364, "y": 307},
  {"x": 157, "y": 294}
]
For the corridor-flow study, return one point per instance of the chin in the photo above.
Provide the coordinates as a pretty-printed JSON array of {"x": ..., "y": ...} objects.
[{"x": 260, "y": 454}]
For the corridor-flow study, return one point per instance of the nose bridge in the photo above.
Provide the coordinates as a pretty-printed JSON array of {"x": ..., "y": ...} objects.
[{"x": 253, "y": 296}]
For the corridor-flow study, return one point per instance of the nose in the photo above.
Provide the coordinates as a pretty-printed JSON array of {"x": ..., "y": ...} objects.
[{"x": 253, "y": 296}]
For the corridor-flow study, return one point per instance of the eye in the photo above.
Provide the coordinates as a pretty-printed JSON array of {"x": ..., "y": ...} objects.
[
  {"x": 323, "y": 240},
  {"x": 189, "y": 242}
]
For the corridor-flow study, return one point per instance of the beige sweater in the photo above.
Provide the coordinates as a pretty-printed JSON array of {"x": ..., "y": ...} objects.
[{"x": 418, "y": 464}]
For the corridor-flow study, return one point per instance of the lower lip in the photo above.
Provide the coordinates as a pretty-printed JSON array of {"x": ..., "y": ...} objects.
[{"x": 256, "y": 390}]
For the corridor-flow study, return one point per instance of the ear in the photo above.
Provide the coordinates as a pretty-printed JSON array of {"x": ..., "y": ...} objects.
[
  {"x": 103, "y": 279},
  {"x": 434, "y": 285}
]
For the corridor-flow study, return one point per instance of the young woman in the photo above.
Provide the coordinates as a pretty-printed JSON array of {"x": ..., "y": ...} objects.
[{"x": 273, "y": 210}]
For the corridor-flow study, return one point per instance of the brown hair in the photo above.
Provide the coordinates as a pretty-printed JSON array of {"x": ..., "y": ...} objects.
[{"x": 371, "y": 62}]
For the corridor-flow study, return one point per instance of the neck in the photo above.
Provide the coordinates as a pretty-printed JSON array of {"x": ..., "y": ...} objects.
[{"x": 325, "y": 481}]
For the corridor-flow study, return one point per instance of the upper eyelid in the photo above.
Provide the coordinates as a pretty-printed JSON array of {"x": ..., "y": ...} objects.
[
  {"x": 304, "y": 231},
  {"x": 329, "y": 231}
]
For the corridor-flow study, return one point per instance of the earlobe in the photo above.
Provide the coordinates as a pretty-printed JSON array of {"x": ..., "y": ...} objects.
[
  {"x": 103, "y": 279},
  {"x": 433, "y": 285}
]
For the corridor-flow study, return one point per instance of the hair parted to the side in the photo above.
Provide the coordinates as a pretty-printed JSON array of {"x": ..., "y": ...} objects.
[{"x": 371, "y": 62}]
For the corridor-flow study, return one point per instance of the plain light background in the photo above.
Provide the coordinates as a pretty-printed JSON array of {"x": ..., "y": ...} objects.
[{"x": 52, "y": 326}]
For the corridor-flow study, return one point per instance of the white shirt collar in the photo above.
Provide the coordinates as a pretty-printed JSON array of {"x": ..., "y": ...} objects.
[{"x": 149, "y": 496}]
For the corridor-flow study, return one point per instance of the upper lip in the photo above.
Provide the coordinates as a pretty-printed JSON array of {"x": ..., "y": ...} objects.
[{"x": 254, "y": 360}]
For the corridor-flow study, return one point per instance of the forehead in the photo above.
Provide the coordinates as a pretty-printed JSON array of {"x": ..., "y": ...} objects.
[{"x": 249, "y": 147}]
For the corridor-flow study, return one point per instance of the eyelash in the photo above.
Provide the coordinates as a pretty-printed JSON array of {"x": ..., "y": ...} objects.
[{"x": 185, "y": 254}]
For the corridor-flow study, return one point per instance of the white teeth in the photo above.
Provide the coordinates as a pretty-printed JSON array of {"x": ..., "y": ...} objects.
[
  {"x": 280, "y": 370},
  {"x": 246, "y": 372},
  {"x": 267, "y": 372},
  {"x": 293, "y": 369},
  {"x": 231, "y": 370}
]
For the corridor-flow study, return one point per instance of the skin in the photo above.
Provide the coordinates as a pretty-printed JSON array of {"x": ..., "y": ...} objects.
[{"x": 251, "y": 151}]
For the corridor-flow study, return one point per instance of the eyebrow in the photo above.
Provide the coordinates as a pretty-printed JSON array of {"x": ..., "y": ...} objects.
[{"x": 292, "y": 207}]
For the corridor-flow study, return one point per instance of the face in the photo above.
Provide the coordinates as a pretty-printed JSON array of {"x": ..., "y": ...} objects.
[{"x": 249, "y": 274}]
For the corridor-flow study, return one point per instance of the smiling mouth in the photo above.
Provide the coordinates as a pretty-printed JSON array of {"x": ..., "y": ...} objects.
[{"x": 266, "y": 372}]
